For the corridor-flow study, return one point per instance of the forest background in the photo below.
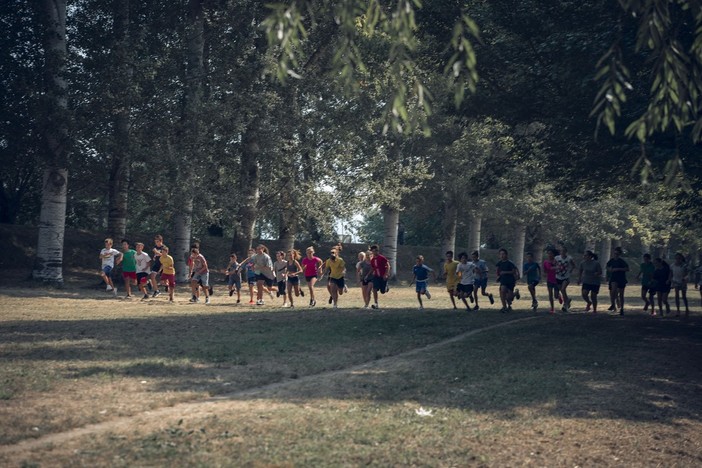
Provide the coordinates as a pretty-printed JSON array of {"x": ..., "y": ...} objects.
[{"x": 452, "y": 124}]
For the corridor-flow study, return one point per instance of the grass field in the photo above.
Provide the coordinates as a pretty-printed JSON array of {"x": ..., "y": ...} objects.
[{"x": 90, "y": 380}]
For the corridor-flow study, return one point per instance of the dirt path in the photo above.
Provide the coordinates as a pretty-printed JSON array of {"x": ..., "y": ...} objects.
[{"x": 210, "y": 405}]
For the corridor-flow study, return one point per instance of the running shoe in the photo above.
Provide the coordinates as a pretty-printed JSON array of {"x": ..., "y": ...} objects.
[
  {"x": 270, "y": 294},
  {"x": 231, "y": 293},
  {"x": 492, "y": 299},
  {"x": 426, "y": 293},
  {"x": 470, "y": 298},
  {"x": 156, "y": 293},
  {"x": 476, "y": 308},
  {"x": 331, "y": 299},
  {"x": 251, "y": 302},
  {"x": 302, "y": 293},
  {"x": 207, "y": 300},
  {"x": 114, "y": 291},
  {"x": 516, "y": 293},
  {"x": 560, "y": 298},
  {"x": 146, "y": 296},
  {"x": 108, "y": 288},
  {"x": 612, "y": 308},
  {"x": 587, "y": 308}
]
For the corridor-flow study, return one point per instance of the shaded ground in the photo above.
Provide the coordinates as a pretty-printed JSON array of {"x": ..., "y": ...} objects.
[{"x": 552, "y": 390}]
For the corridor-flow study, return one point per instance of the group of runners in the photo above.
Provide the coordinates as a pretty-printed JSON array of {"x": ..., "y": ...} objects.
[
  {"x": 262, "y": 275},
  {"x": 466, "y": 278}
]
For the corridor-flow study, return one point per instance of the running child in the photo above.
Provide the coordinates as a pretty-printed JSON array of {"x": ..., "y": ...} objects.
[
  {"x": 234, "y": 277},
  {"x": 466, "y": 272},
  {"x": 107, "y": 258},
  {"x": 564, "y": 267},
  {"x": 450, "y": 266},
  {"x": 294, "y": 271},
  {"x": 661, "y": 285},
  {"x": 281, "y": 275},
  {"x": 420, "y": 276},
  {"x": 646, "y": 270},
  {"x": 680, "y": 273},
  {"x": 532, "y": 272},
  {"x": 199, "y": 275},
  {"x": 507, "y": 276},
  {"x": 143, "y": 268},
  {"x": 363, "y": 270},
  {"x": 481, "y": 279},
  {"x": 551, "y": 282},
  {"x": 167, "y": 271},
  {"x": 336, "y": 268},
  {"x": 247, "y": 265},
  {"x": 128, "y": 267},
  {"x": 381, "y": 273},
  {"x": 617, "y": 268},
  {"x": 156, "y": 264},
  {"x": 590, "y": 277},
  {"x": 312, "y": 266}
]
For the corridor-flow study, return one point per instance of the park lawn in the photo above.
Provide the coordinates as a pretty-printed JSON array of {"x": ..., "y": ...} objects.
[{"x": 548, "y": 390}]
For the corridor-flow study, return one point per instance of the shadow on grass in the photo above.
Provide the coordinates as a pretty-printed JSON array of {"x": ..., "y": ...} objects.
[{"x": 635, "y": 368}]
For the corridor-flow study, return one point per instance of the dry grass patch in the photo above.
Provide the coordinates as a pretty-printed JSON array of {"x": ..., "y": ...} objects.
[
  {"x": 554, "y": 390},
  {"x": 71, "y": 358}
]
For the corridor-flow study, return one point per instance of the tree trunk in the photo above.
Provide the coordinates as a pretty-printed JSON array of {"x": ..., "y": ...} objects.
[
  {"x": 518, "y": 242},
  {"x": 288, "y": 216},
  {"x": 183, "y": 232},
  {"x": 537, "y": 244},
  {"x": 391, "y": 220},
  {"x": 309, "y": 182},
  {"x": 448, "y": 227},
  {"x": 605, "y": 253},
  {"x": 120, "y": 172},
  {"x": 474, "y": 238},
  {"x": 249, "y": 181},
  {"x": 590, "y": 244},
  {"x": 48, "y": 265},
  {"x": 118, "y": 184}
]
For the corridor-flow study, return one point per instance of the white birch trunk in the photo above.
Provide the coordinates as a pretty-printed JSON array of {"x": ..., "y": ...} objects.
[
  {"x": 474, "y": 237},
  {"x": 605, "y": 253},
  {"x": 518, "y": 242},
  {"x": 48, "y": 264},
  {"x": 391, "y": 220},
  {"x": 183, "y": 231},
  {"x": 448, "y": 228}
]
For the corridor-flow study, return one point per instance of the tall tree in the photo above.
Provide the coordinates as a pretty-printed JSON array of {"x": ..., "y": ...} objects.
[
  {"x": 190, "y": 148},
  {"x": 121, "y": 85},
  {"x": 56, "y": 141}
]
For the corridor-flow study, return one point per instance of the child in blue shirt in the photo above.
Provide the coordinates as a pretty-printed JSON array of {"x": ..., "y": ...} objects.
[
  {"x": 532, "y": 272},
  {"x": 420, "y": 276}
]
